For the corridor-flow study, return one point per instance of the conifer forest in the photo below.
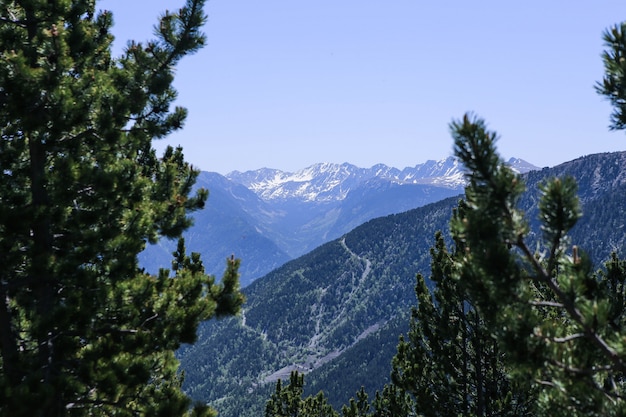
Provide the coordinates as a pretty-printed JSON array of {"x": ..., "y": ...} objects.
[{"x": 517, "y": 288}]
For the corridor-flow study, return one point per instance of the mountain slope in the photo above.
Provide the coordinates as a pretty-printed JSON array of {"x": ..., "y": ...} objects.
[
  {"x": 225, "y": 227},
  {"x": 336, "y": 311},
  {"x": 314, "y": 308}
]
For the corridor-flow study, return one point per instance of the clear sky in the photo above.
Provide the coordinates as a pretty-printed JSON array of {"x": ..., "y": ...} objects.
[{"x": 286, "y": 84}]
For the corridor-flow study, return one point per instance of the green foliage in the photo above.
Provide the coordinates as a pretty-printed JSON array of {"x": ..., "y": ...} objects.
[
  {"x": 288, "y": 402},
  {"x": 359, "y": 407},
  {"x": 612, "y": 85},
  {"x": 558, "y": 322},
  {"x": 83, "y": 331},
  {"x": 450, "y": 364},
  {"x": 391, "y": 402}
]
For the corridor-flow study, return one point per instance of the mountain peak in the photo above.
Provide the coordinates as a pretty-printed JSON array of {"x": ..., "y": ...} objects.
[{"x": 520, "y": 166}]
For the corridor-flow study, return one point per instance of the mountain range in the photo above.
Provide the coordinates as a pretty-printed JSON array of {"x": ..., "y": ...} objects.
[
  {"x": 333, "y": 182},
  {"x": 267, "y": 217},
  {"x": 336, "y": 312}
]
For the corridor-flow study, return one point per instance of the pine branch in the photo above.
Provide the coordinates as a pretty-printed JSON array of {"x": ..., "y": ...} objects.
[
  {"x": 14, "y": 21},
  {"x": 572, "y": 310},
  {"x": 566, "y": 338},
  {"x": 546, "y": 304},
  {"x": 579, "y": 371}
]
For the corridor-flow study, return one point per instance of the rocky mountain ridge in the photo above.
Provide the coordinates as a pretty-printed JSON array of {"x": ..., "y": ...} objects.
[{"x": 325, "y": 182}]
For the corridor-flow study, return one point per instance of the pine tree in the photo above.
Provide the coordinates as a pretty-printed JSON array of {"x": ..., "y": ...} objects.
[
  {"x": 287, "y": 401},
  {"x": 560, "y": 324},
  {"x": 83, "y": 330},
  {"x": 392, "y": 402},
  {"x": 359, "y": 407},
  {"x": 450, "y": 364},
  {"x": 614, "y": 80}
]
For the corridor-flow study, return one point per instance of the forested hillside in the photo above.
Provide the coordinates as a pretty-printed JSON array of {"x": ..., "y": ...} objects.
[{"x": 336, "y": 312}]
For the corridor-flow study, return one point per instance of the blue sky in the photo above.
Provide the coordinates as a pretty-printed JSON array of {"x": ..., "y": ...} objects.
[{"x": 286, "y": 84}]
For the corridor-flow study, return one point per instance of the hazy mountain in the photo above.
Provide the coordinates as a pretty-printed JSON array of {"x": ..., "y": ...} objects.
[
  {"x": 336, "y": 312},
  {"x": 267, "y": 216},
  {"x": 224, "y": 227},
  {"x": 333, "y": 182}
]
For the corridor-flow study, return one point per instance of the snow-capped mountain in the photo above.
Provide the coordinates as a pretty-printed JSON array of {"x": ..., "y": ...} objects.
[
  {"x": 319, "y": 182},
  {"x": 325, "y": 182},
  {"x": 520, "y": 166}
]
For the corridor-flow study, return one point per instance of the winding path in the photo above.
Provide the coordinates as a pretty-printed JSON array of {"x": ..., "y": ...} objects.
[{"x": 314, "y": 362}]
